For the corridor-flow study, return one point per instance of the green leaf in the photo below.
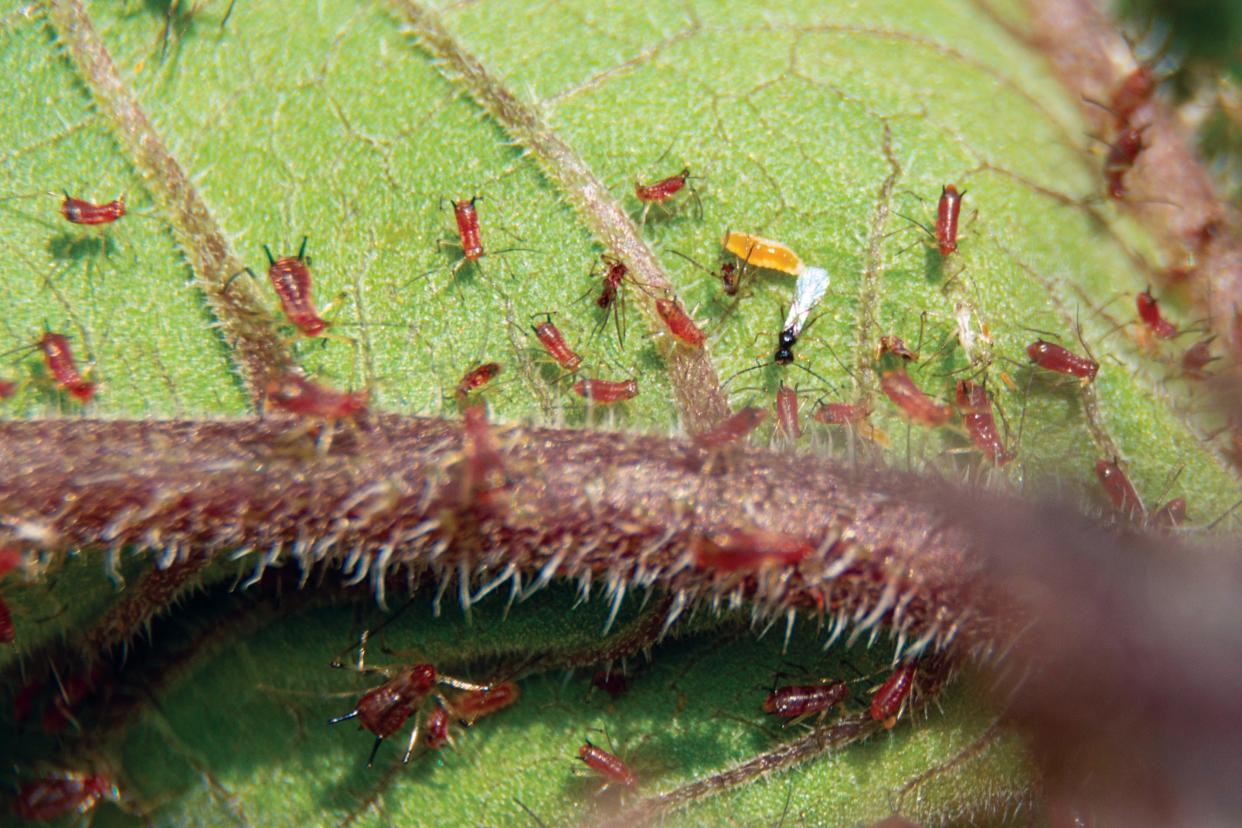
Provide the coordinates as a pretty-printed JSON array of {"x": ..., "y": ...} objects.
[{"x": 822, "y": 125}]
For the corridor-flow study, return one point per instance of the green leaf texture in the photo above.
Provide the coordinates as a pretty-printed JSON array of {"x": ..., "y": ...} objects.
[{"x": 830, "y": 126}]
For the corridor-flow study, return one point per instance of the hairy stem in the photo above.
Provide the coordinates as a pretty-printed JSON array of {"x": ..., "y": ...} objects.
[{"x": 620, "y": 510}]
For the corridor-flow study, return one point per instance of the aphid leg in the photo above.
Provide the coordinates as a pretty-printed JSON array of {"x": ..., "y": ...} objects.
[{"x": 409, "y": 748}]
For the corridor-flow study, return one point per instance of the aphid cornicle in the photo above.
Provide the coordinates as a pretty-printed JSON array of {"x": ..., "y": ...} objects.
[
  {"x": 607, "y": 765},
  {"x": 58, "y": 357},
  {"x": 887, "y": 702},
  {"x": 79, "y": 211},
  {"x": 554, "y": 343},
  {"x": 1052, "y": 357}
]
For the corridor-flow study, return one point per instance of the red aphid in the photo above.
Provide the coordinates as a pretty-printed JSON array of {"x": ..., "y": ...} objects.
[
  {"x": 477, "y": 377},
  {"x": 748, "y": 550},
  {"x": 46, "y": 799},
  {"x": 10, "y": 557},
  {"x": 1120, "y": 490},
  {"x": 887, "y": 701},
  {"x": 70, "y": 694},
  {"x": 607, "y": 765},
  {"x": 612, "y": 682},
  {"x": 7, "y": 388},
  {"x": 914, "y": 403},
  {"x": 291, "y": 279},
  {"x": 1170, "y": 516},
  {"x": 606, "y": 392},
  {"x": 1149, "y": 312},
  {"x": 78, "y": 211},
  {"x": 1196, "y": 358},
  {"x": 554, "y": 342},
  {"x": 438, "y": 728},
  {"x": 7, "y": 632},
  {"x": 471, "y": 706},
  {"x": 680, "y": 324},
  {"x": 1121, "y": 157},
  {"x": 975, "y": 405},
  {"x": 467, "y": 218},
  {"x": 1052, "y": 357},
  {"x": 839, "y": 413},
  {"x": 731, "y": 430},
  {"x": 787, "y": 412},
  {"x": 485, "y": 479},
  {"x": 894, "y": 345},
  {"x": 298, "y": 395},
  {"x": 614, "y": 276},
  {"x": 58, "y": 358},
  {"x": 385, "y": 709},
  {"x": 662, "y": 190},
  {"x": 947, "y": 212},
  {"x": 1133, "y": 92},
  {"x": 797, "y": 700},
  {"x": 24, "y": 701}
]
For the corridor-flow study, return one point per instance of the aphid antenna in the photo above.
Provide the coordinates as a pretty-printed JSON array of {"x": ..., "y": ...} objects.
[
  {"x": 366, "y": 634},
  {"x": 913, "y": 221},
  {"x": 755, "y": 367},
  {"x": 1083, "y": 340},
  {"x": 1223, "y": 515},
  {"x": 1168, "y": 483},
  {"x": 538, "y": 822},
  {"x": 1040, "y": 331},
  {"x": 831, "y": 387},
  {"x": 228, "y": 282}
]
